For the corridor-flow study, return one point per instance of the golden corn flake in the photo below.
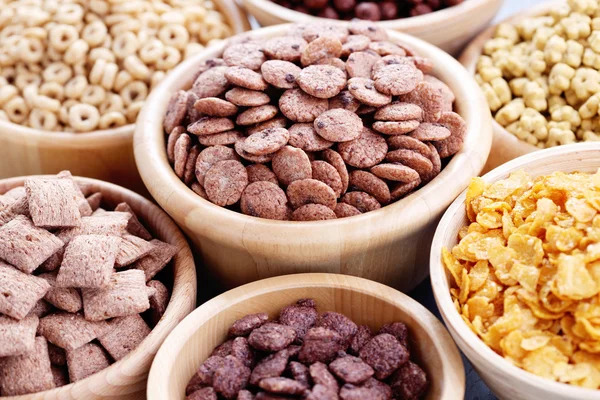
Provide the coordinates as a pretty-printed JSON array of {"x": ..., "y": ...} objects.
[{"x": 526, "y": 272}]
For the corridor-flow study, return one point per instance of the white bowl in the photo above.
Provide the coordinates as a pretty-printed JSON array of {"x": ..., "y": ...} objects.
[{"x": 506, "y": 380}]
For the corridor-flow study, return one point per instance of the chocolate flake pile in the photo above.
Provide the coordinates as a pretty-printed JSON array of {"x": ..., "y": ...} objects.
[{"x": 309, "y": 355}]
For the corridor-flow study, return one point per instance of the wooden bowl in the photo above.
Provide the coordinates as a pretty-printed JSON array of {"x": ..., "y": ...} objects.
[
  {"x": 506, "y": 380},
  {"x": 449, "y": 29},
  {"x": 389, "y": 245},
  {"x": 104, "y": 154},
  {"x": 126, "y": 379},
  {"x": 505, "y": 145},
  {"x": 363, "y": 301}
]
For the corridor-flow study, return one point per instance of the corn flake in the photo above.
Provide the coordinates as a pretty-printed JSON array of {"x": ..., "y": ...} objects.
[
  {"x": 478, "y": 275},
  {"x": 580, "y": 209},
  {"x": 526, "y": 272},
  {"x": 573, "y": 280}
]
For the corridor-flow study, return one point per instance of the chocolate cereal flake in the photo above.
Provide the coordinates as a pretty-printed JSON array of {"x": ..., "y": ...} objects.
[
  {"x": 125, "y": 334},
  {"x": 272, "y": 337},
  {"x": 385, "y": 354}
]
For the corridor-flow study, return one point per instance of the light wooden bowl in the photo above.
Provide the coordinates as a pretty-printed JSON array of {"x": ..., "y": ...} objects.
[
  {"x": 506, "y": 380},
  {"x": 505, "y": 145},
  {"x": 126, "y": 379},
  {"x": 104, "y": 154},
  {"x": 363, "y": 301},
  {"x": 390, "y": 245},
  {"x": 449, "y": 29}
]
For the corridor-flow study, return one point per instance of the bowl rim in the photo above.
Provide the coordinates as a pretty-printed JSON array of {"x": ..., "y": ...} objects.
[
  {"x": 441, "y": 285},
  {"x": 150, "y": 154},
  {"x": 171, "y": 347},
  {"x": 468, "y": 58},
  {"x": 236, "y": 18},
  {"x": 184, "y": 285},
  {"x": 436, "y": 17}
]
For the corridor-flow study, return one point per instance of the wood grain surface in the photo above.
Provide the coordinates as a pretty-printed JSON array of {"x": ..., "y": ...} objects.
[
  {"x": 126, "y": 379},
  {"x": 389, "y": 245},
  {"x": 449, "y": 29},
  {"x": 365, "y": 302}
]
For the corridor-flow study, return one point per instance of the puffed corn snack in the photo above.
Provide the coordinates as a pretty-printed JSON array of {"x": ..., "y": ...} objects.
[
  {"x": 541, "y": 79},
  {"x": 83, "y": 65},
  {"x": 526, "y": 272}
]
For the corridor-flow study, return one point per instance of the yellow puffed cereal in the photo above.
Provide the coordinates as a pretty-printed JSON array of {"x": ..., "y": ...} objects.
[
  {"x": 526, "y": 272},
  {"x": 547, "y": 62}
]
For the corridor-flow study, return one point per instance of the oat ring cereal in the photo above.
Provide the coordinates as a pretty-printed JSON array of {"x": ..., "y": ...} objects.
[
  {"x": 58, "y": 55},
  {"x": 329, "y": 121}
]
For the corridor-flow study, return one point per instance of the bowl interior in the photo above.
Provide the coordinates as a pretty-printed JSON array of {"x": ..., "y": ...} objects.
[
  {"x": 233, "y": 15},
  {"x": 582, "y": 157},
  {"x": 436, "y": 195},
  {"x": 363, "y": 301},
  {"x": 126, "y": 378}
]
